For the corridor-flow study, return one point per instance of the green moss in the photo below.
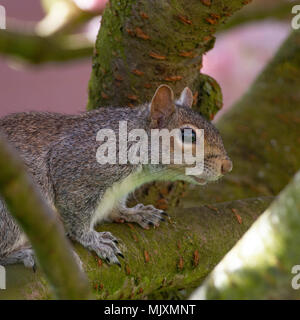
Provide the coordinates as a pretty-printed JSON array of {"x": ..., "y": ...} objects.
[
  {"x": 211, "y": 231},
  {"x": 109, "y": 46},
  {"x": 209, "y": 98}
]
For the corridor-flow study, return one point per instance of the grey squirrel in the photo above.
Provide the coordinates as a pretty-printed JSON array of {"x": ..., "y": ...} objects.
[{"x": 59, "y": 152}]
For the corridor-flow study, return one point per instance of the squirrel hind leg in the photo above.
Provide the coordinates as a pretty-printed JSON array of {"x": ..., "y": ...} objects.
[
  {"x": 23, "y": 255},
  {"x": 145, "y": 216},
  {"x": 14, "y": 246}
]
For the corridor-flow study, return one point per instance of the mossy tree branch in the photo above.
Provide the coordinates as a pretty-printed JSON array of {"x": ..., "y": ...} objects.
[
  {"x": 260, "y": 265},
  {"x": 179, "y": 254},
  {"x": 41, "y": 226},
  {"x": 31, "y": 48}
]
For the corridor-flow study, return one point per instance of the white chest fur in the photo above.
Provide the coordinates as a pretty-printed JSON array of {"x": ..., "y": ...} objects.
[{"x": 118, "y": 192}]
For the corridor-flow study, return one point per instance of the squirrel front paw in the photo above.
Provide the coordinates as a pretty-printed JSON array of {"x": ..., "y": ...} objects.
[
  {"x": 23, "y": 255},
  {"x": 103, "y": 244},
  {"x": 145, "y": 216}
]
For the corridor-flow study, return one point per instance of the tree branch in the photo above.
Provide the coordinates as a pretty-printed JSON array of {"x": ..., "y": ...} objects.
[
  {"x": 179, "y": 254},
  {"x": 261, "y": 10},
  {"x": 142, "y": 44},
  {"x": 35, "y": 49},
  {"x": 41, "y": 226},
  {"x": 260, "y": 265}
]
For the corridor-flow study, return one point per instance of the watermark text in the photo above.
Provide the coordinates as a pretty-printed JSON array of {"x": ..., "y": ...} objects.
[
  {"x": 2, "y": 278},
  {"x": 296, "y": 279},
  {"x": 2, "y": 17},
  {"x": 296, "y": 19},
  {"x": 136, "y": 147}
]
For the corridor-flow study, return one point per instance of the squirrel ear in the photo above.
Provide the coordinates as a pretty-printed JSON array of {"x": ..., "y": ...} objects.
[
  {"x": 186, "y": 98},
  {"x": 162, "y": 104}
]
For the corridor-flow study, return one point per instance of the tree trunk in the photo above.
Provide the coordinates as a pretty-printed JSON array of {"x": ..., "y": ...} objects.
[
  {"x": 264, "y": 262},
  {"x": 142, "y": 44}
]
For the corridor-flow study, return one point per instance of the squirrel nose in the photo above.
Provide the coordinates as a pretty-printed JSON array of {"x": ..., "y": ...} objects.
[{"x": 226, "y": 166}]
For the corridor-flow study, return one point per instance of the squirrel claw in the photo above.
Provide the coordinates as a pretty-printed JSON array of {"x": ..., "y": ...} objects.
[
  {"x": 145, "y": 216},
  {"x": 103, "y": 243},
  {"x": 121, "y": 255},
  {"x": 113, "y": 261}
]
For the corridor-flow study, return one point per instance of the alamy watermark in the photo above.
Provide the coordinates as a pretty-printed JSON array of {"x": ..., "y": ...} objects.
[
  {"x": 2, "y": 17},
  {"x": 133, "y": 147},
  {"x": 2, "y": 278},
  {"x": 296, "y": 19},
  {"x": 295, "y": 281}
]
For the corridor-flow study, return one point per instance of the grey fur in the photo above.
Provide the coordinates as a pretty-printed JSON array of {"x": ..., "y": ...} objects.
[{"x": 60, "y": 154}]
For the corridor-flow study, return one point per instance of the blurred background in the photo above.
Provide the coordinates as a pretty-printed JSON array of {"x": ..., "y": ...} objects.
[{"x": 242, "y": 49}]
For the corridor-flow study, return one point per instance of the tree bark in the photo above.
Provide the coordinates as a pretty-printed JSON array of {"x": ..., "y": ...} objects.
[
  {"x": 41, "y": 226},
  {"x": 142, "y": 44},
  {"x": 177, "y": 255},
  {"x": 261, "y": 264}
]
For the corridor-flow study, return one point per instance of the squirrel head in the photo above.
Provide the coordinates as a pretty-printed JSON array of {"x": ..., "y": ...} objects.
[{"x": 166, "y": 112}]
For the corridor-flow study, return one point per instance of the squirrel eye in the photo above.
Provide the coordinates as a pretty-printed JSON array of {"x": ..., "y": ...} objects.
[{"x": 188, "y": 135}]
